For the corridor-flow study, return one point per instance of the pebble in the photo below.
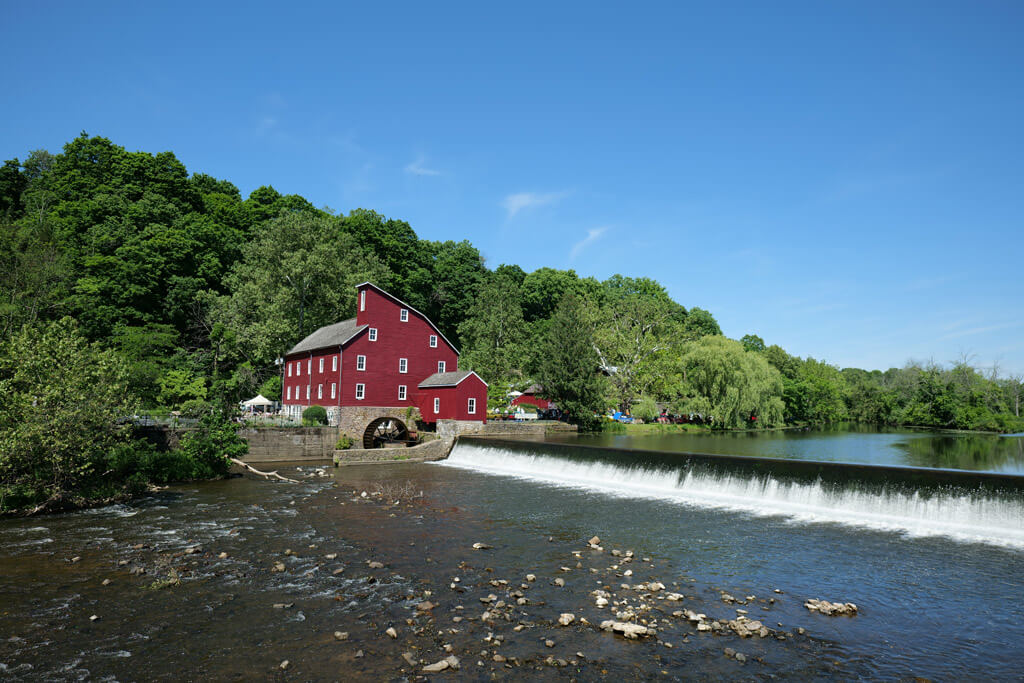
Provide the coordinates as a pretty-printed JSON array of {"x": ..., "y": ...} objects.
[
  {"x": 531, "y": 578},
  {"x": 222, "y": 556},
  {"x": 105, "y": 582},
  {"x": 331, "y": 556},
  {"x": 341, "y": 635},
  {"x": 480, "y": 546},
  {"x": 76, "y": 558},
  {"x": 391, "y": 632},
  {"x": 559, "y": 582},
  {"x": 94, "y": 618},
  {"x": 566, "y": 618},
  {"x": 549, "y": 643},
  {"x": 373, "y": 564},
  {"x": 284, "y": 665}
]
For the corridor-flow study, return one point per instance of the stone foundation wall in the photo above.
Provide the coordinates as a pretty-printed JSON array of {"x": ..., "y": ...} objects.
[
  {"x": 289, "y": 444},
  {"x": 496, "y": 427},
  {"x": 436, "y": 449},
  {"x": 353, "y": 420}
]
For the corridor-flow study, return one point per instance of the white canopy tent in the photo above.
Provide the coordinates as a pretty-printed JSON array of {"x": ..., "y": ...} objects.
[{"x": 259, "y": 404}]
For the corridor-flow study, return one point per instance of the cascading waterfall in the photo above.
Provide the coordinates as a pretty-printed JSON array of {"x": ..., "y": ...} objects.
[{"x": 963, "y": 512}]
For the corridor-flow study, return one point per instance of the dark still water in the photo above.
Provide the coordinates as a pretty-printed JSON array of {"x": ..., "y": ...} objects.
[
  {"x": 227, "y": 580},
  {"x": 850, "y": 444}
]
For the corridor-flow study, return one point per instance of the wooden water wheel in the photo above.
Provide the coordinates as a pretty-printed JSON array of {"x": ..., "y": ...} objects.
[{"x": 385, "y": 431}]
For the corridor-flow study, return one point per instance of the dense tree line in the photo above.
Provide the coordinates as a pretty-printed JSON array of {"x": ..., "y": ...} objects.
[{"x": 197, "y": 291}]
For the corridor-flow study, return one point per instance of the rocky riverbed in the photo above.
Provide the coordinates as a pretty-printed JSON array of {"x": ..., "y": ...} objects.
[{"x": 367, "y": 578}]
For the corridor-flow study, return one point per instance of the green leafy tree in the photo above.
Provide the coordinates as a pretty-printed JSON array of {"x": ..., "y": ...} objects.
[
  {"x": 569, "y": 366},
  {"x": 751, "y": 342},
  {"x": 63, "y": 404},
  {"x": 493, "y": 332},
  {"x": 637, "y": 333},
  {"x": 297, "y": 274}
]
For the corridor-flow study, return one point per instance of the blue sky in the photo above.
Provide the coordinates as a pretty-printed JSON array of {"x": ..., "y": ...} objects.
[{"x": 845, "y": 179}]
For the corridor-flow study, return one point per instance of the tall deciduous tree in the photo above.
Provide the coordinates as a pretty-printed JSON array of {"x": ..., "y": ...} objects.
[
  {"x": 637, "y": 334},
  {"x": 297, "y": 274},
  {"x": 493, "y": 334}
]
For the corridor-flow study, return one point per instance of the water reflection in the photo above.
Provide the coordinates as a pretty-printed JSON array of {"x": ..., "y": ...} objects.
[
  {"x": 966, "y": 452},
  {"x": 838, "y": 443}
]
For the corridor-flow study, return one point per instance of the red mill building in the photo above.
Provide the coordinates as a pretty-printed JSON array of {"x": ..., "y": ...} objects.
[{"x": 374, "y": 372}]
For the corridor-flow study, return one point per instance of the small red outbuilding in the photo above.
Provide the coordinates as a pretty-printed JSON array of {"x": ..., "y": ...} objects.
[{"x": 459, "y": 395}]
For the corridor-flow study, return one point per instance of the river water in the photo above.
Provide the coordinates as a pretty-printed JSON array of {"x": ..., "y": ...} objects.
[{"x": 194, "y": 592}]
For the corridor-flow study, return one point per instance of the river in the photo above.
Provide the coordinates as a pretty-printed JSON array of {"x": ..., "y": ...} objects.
[{"x": 230, "y": 579}]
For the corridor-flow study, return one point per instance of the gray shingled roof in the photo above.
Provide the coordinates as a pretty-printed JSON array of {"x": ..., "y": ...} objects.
[
  {"x": 329, "y": 335},
  {"x": 445, "y": 379}
]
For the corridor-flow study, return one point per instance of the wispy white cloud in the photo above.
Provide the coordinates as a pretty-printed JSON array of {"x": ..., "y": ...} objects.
[
  {"x": 514, "y": 203},
  {"x": 593, "y": 235},
  {"x": 419, "y": 167},
  {"x": 979, "y": 330}
]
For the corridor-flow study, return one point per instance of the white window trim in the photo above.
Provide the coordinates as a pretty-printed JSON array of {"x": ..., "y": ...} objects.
[
  {"x": 289, "y": 393},
  {"x": 403, "y": 365},
  {"x": 402, "y": 392},
  {"x": 361, "y": 363},
  {"x": 362, "y": 300},
  {"x": 289, "y": 369},
  {"x": 360, "y": 392},
  {"x": 404, "y": 315},
  {"x": 471, "y": 406},
  {"x": 373, "y": 334},
  {"x": 309, "y": 366},
  {"x": 433, "y": 341},
  {"x": 334, "y": 389},
  {"x": 298, "y": 368},
  {"x": 441, "y": 365},
  {"x": 307, "y": 392},
  {"x": 319, "y": 391},
  {"x": 321, "y": 365},
  {"x": 437, "y": 406},
  {"x": 334, "y": 364}
]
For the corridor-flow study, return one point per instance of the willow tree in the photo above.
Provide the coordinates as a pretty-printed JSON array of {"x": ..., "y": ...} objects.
[{"x": 731, "y": 385}]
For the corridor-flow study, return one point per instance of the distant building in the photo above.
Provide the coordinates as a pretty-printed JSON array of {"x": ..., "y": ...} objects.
[
  {"x": 375, "y": 372},
  {"x": 532, "y": 397}
]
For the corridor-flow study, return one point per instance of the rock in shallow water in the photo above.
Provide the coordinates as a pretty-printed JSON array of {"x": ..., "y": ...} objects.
[{"x": 831, "y": 609}]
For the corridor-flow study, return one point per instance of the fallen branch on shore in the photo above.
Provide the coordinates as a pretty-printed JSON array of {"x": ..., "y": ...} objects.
[{"x": 268, "y": 475}]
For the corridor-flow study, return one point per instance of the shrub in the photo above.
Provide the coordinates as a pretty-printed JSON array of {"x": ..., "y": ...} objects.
[
  {"x": 207, "y": 448},
  {"x": 646, "y": 409},
  {"x": 314, "y": 415},
  {"x": 344, "y": 443}
]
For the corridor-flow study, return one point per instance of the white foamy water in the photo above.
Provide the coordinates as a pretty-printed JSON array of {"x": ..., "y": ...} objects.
[{"x": 983, "y": 518}]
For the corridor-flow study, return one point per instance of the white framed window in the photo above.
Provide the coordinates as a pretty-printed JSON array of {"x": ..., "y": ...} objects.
[
  {"x": 373, "y": 334},
  {"x": 433, "y": 341},
  {"x": 360, "y": 391},
  {"x": 289, "y": 369},
  {"x": 319, "y": 390},
  {"x": 404, "y": 315},
  {"x": 309, "y": 366},
  {"x": 321, "y": 365},
  {"x": 289, "y": 392},
  {"x": 307, "y": 392},
  {"x": 437, "y": 405},
  {"x": 471, "y": 408},
  {"x": 362, "y": 300},
  {"x": 360, "y": 363},
  {"x": 401, "y": 392},
  {"x": 440, "y": 366},
  {"x": 403, "y": 365},
  {"x": 334, "y": 388},
  {"x": 298, "y": 368},
  {"x": 334, "y": 363}
]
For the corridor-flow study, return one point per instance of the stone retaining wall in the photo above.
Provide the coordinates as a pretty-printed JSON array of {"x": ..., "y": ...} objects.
[
  {"x": 290, "y": 444},
  {"x": 436, "y": 449}
]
